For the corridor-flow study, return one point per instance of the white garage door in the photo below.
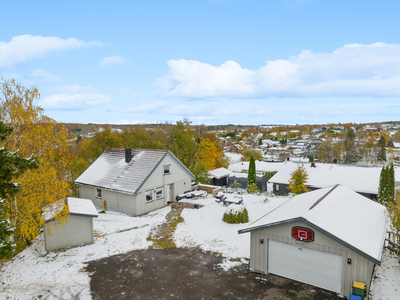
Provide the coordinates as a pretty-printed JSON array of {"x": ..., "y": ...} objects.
[{"x": 314, "y": 267}]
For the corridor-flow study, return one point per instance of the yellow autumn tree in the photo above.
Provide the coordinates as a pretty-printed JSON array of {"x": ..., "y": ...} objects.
[
  {"x": 34, "y": 134},
  {"x": 207, "y": 153},
  {"x": 298, "y": 180}
]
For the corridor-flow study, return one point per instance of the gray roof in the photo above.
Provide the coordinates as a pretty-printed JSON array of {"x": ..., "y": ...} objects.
[{"x": 111, "y": 172}]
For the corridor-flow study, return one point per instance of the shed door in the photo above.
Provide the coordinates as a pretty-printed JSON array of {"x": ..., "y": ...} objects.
[{"x": 313, "y": 267}]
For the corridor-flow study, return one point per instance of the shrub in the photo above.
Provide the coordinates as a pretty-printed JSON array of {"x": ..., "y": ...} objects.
[
  {"x": 252, "y": 188},
  {"x": 236, "y": 214}
]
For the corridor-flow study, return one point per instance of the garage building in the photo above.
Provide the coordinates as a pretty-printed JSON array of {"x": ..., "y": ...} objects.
[{"x": 326, "y": 238}]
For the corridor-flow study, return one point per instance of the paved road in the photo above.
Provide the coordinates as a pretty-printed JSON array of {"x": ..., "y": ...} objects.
[{"x": 188, "y": 274}]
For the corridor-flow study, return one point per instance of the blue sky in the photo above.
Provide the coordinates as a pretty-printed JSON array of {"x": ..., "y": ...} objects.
[{"x": 212, "y": 61}]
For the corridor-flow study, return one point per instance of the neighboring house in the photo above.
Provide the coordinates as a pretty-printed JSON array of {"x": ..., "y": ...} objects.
[
  {"x": 235, "y": 148},
  {"x": 261, "y": 166},
  {"x": 363, "y": 180},
  {"x": 241, "y": 178},
  {"x": 134, "y": 181},
  {"x": 327, "y": 238},
  {"x": 219, "y": 177},
  {"x": 78, "y": 230}
]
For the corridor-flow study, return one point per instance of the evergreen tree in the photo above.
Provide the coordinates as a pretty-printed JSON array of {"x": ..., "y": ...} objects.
[
  {"x": 297, "y": 183},
  {"x": 12, "y": 165},
  {"x": 350, "y": 156},
  {"x": 311, "y": 158},
  {"x": 252, "y": 178},
  {"x": 382, "y": 150},
  {"x": 386, "y": 190}
]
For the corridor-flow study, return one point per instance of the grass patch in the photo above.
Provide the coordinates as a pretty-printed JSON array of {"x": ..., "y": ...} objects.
[{"x": 175, "y": 223}]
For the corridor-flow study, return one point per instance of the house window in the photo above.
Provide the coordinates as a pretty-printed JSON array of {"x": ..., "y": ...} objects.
[
  {"x": 276, "y": 187},
  {"x": 167, "y": 170},
  {"x": 159, "y": 193},
  {"x": 98, "y": 193},
  {"x": 149, "y": 196}
]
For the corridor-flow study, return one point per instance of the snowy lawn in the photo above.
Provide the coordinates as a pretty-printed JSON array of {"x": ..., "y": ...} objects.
[
  {"x": 204, "y": 227},
  {"x": 386, "y": 280},
  {"x": 56, "y": 275}
]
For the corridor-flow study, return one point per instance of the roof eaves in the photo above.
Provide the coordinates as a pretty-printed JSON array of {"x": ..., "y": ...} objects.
[{"x": 148, "y": 176}]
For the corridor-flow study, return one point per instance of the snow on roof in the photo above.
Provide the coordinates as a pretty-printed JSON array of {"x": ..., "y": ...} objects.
[
  {"x": 84, "y": 207},
  {"x": 76, "y": 206},
  {"x": 110, "y": 171},
  {"x": 261, "y": 166},
  {"x": 359, "y": 179},
  {"x": 219, "y": 173},
  {"x": 351, "y": 218}
]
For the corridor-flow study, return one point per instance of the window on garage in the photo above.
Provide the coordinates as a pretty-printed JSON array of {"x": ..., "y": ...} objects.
[{"x": 98, "y": 193}]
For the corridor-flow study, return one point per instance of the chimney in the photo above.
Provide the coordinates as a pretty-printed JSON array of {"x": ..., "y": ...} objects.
[
  {"x": 312, "y": 164},
  {"x": 335, "y": 161},
  {"x": 128, "y": 155},
  {"x": 288, "y": 158}
]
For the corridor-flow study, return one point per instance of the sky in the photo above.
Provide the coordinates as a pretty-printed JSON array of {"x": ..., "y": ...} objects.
[{"x": 211, "y": 61}]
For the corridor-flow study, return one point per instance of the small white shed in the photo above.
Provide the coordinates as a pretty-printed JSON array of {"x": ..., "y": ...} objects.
[
  {"x": 78, "y": 230},
  {"x": 326, "y": 238}
]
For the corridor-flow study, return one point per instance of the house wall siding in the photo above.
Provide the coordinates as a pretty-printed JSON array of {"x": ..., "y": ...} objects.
[
  {"x": 76, "y": 231},
  {"x": 178, "y": 179},
  {"x": 116, "y": 201},
  {"x": 361, "y": 269}
]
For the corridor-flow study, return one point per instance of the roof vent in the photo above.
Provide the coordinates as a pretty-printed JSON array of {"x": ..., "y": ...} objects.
[
  {"x": 312, "y": 164},
  {"x": 335, "y": 161},
  {"x": 128, "y": 155}
]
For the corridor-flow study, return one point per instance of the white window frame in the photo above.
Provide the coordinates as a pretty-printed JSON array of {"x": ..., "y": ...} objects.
[
  {"x": 99, "y": 193},
  {"x": 167, "y": 167},
  {"x": 276, "y": 187},
  {"x": 149, "y": 193},
  {"x": 158, "y": 190}
]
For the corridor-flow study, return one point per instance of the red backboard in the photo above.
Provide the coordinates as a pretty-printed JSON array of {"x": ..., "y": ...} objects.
[{"x": 303, "y": 234}]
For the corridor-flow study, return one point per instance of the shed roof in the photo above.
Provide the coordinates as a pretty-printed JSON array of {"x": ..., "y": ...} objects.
[
  {"x": 76, "y": 206},
  {"x": 111, "y": 172},
  {"x": 359, "y": 179},
  {"x": 344, "y": 215},
  {"x": 219, "y": 173},
  {"x": 261, "y": 166},
  {"x": 82, "y": 207}
]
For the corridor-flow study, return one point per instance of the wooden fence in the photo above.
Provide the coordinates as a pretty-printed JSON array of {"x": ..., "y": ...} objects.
[{"x": 392, "y": 241}]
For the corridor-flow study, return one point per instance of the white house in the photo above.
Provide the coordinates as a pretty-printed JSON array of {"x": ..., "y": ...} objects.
[
  {"x": 134, "y": 181},
  {"x": 327, "y": 238}
]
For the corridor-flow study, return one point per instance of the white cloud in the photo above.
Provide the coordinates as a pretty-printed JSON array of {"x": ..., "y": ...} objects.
[
  {"x": 113, "y": 60},
  {"x": 211, "y": 109},
  {"x": 353, "y": 70},
  {"x": 24, "y": 47},
  {"x": 40, "y": 75},
  {"x": 75, "y": 97}
]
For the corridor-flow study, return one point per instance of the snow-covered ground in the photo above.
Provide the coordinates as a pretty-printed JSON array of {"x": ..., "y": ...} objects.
[
  {"x": 62, "y": 275},
  {"x": 204, "y": 227},
  {"x": 233, "y": 157},
  {"x": 386, "y": 280}
]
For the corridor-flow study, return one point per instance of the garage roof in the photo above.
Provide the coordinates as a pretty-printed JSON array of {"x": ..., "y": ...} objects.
[
  {"x": 359, "y": 179},
  {"x": 347, "y": 217}
]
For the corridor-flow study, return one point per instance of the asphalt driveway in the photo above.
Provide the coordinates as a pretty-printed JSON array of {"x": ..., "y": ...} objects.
[{"x": 188, "y": 274}]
